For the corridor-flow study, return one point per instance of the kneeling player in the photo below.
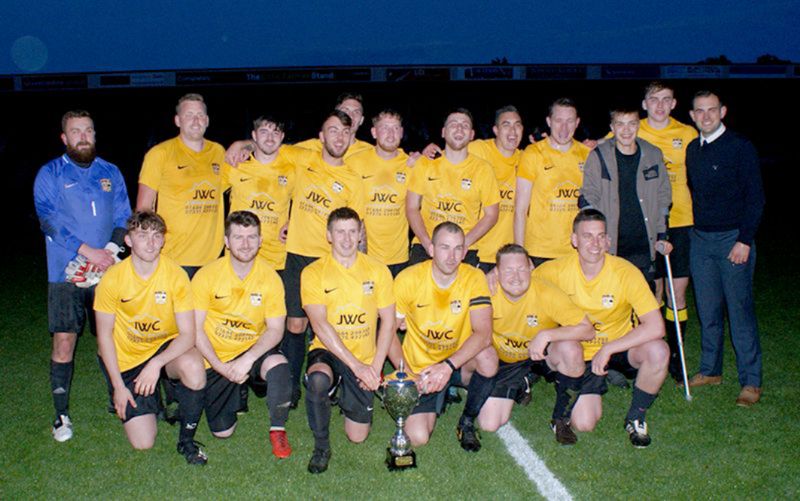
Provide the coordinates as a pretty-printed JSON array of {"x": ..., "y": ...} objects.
[
  {"x": 239, "y": 316},
  {"x": 629, "y": 326},
  {"x": 536, "y": 331},
  {"x": 145, "y": 331},
  {"x": 344, "y": 293},
  {"x": 446, "y": 308}
]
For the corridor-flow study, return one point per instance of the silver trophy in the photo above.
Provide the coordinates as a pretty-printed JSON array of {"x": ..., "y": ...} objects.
[{"x": 400, "y": 396}]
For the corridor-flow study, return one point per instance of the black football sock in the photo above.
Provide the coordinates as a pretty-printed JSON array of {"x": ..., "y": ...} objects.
[
  {"x": 640, "y": 402},
  {"x": 60, "y": 381},
  {"x": 293, "y": 347},
  {"x": 318, "y": 408},
  {"x": 190, "y": 403},
  {"x": 568, "y": 390},
  {"x": 479, "y": 390},
  {"x": 279, "y": 393}
]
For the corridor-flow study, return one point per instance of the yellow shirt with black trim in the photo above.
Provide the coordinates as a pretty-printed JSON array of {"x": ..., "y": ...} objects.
[
  {"x": 352, "y": 297},
  {"x": 505, "y": 171},
  {"x": 453, "y": 192},
  {"x": 315, "y": 144},
  {"x": 437, "y": 319},
  {"x": 319, "y": 189},
  {"x": 613, "y": 300},
  {"x": 385, "y": 186},
  {"x": 672, "y": 141},
  {"x": 266, "y": 190},
  {"x": 557, "y": 178},
  {"x": 190, "y": 188},
  {"x": 237, "y": 309},
  {"x": 516, "y": 323},
  {"x": 144, "y": 310}
]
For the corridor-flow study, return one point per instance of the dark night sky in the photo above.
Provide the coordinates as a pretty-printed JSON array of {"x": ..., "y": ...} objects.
[{"x": 48, "y": 36}]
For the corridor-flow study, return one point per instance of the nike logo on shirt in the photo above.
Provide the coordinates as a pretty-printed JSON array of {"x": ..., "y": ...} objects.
[{"x": 70, "y": 185}]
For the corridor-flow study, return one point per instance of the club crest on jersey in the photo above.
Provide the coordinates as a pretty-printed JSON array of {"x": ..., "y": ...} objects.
[
  {"x": 400, "y": 177},
  {"x": 105, "y": 184},
  {"x": 337, "y": 187},
  {"x": 466, "y": 184},
  {"x": 533, "y": 321},
  {"x": 580, "y": 165},
  {"x": 161, "y": 297},
  {"x": 608, "y": 300},
  {"x": 368, "y": 287},
  {"x": 677, "y": 143},
  {"x": 215, "y": 168},
  {"x": 455, "y": 306},
  {"x": 282, "y": 180},
  {"x": 255, "y": 299}
]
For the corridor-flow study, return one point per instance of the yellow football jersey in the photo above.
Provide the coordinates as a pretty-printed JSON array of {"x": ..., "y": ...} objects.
[
  {"x": 610, "y": 299},
  {"x": 236, "y": 309},
  {"x": 320, "y": 188},
  {"x": 454, "y": 193},
  {"x": 672, "y": 141},
  {"x": 190, "y": 187},
  {"x": 314, "y": 144},
  {"x": 385, "y": 185},
  {"x": 352, "y": 297},
  {"x": 437, "y": 319},
  {"x": 505, "y": 170},
  {"x": 144, "y": 309},
  {"x": 557, "y": 178},
  {"x": 516, "y": 323},
  {"x": 266, "y": 190}
]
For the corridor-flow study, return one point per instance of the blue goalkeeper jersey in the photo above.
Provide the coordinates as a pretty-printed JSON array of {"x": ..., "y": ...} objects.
[{"x": 78, "y": 205}]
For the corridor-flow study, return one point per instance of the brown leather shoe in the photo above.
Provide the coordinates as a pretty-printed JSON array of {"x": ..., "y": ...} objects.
[
  {"x": 702, "y": 380},
  {"x": 748, "y": 396}
]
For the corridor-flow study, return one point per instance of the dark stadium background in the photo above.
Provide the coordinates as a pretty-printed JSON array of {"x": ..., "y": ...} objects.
[{"x": 131, "y": 120}]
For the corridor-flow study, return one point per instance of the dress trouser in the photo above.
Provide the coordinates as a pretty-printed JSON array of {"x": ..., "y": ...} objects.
[{"x": 720, "y": 284}]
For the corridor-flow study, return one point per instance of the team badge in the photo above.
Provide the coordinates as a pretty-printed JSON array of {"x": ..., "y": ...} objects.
[
  {"x": 455, "y": 306},
  {"x": 400, "y": 177},
  {"x": 368, "y": 287},
  {"x": 161, "y": 297},
  {"x": 466, "y": 184},
  {"x": 282, "y": 180},
  {"x": 608, "y": 300},
  {"x": 337, "y": 187},
  {"x": 677, "y": 143},
  {"x": 580, "y": 165},
  {"x": 215, "y": 168},
  {"x": 105, "y": 184},
  {"x": 533, "y": 321},
  {"x": 255, "y": 299}
]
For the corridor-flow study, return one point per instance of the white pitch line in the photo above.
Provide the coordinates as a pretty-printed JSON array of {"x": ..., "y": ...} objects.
[{"x": 547, "y": 484}]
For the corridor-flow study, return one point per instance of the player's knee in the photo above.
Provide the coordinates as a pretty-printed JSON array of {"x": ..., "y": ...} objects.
[
  {"x": 63, "y": 347},
  {"x": 357, "y": 437},
  {"x": 318, "y": 383},
  {"x": 418, "y": 436},
  {"x": 583, "y": 422},
  {"x": 491, "y": 423},
  {"x": 225, "y": 433},
  {"x": 142, "y": 443},
  {"x": 296, "y": 325},
  {"x": 657, "y": 355},
  {"x": 487, "y": 362}
]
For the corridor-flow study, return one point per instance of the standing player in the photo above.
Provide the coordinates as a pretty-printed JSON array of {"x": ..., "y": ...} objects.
[
  {"x": 672, "y": 137},
  {"x": 548, "y": 185},
  {"x": 345, "y": 293},
  {"x": 145, "y": 331},
  {"x": 447, "y": 313},
  {"x": 627, "y": 320},
  {"x": 456, "y": 187},
  {"x": 535, "y": 329},
  {"x": 239, "y": 318},
  {"x": 625, "y": 179},
  {"x": 82, "y": 204},
  {"x": 728, "y": 201},
  {"x": 181, "y": 180},
  {"x": 264, "y": 185},
  {"x": 384, "y": 172},
  {"x": 324, "y": 183}
]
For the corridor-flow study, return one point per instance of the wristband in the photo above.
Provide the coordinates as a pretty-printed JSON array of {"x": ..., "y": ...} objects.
[{"x": 450, "y": 364}]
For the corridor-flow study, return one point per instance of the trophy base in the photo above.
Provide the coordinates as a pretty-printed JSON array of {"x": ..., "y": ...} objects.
[{"x": 400, "y": 463}]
